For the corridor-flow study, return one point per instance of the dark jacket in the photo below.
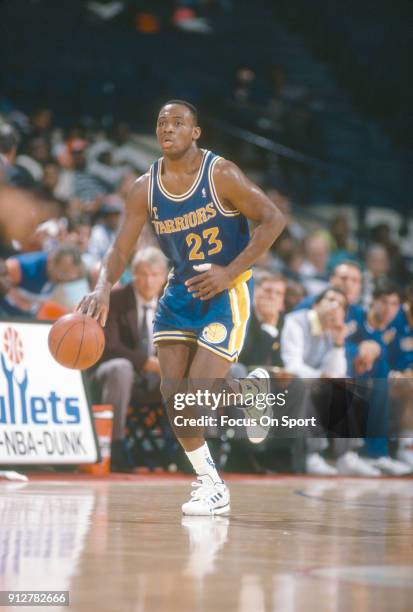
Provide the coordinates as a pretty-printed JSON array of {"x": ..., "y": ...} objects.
[
  {"x": 121, "y": 330},
  {"x": 260, "y": 347}
]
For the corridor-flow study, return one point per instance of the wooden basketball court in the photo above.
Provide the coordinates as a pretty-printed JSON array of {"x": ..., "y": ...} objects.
[{"x": 290, "y": 544}]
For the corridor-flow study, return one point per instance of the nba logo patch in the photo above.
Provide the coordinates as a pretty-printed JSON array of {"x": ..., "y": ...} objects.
[{"x": 215, "y": 333}]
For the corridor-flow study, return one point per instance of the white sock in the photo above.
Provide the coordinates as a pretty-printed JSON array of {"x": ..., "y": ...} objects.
[{"x": 203, "y": 464}]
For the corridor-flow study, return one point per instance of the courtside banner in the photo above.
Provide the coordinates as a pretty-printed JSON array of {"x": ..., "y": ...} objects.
[{"x": 45, "y": 416}]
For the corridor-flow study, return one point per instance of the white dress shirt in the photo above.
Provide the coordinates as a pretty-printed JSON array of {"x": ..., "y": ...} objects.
[{"x": 307, "y": 350}]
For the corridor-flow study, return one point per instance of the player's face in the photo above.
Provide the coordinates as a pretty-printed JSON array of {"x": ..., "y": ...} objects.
[
  {"x": 348, "y": 279},
  {"x": 149, "y": 279},
  {"x": 385, "y": 308},
  {"x": 176, "y": 130}
]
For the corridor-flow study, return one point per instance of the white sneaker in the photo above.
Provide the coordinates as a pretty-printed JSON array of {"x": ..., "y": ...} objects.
[
  {"x": 316, "y": 464},
  {"x": 257, "y": 381},
  {"x": 391, "y": 466},
  {"x": 351, "y": 464},
  {"x": 208, "y": 498},
  {"x": 405, "y": 455}
]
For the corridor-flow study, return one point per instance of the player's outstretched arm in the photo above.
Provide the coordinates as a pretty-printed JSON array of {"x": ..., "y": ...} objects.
[
  {"x": 96, "y": 303},
  {"x": 237, "y": 192}
]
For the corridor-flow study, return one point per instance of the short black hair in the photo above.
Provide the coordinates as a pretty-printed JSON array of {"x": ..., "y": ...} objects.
[
  {"x": 189, "y": 106},
  {"x": 9, "y": 138},
  {"x": 386, "y": 289}
]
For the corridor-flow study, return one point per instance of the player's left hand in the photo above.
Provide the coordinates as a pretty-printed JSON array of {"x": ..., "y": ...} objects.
[{"x": 208, "y": 284}]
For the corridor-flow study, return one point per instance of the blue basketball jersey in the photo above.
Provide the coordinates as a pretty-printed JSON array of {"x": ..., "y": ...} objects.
[
  {"x": 194, "y": 228},
  {"x": 401, "y": 349}
]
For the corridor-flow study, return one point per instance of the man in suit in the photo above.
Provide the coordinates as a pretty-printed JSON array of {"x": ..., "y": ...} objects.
[
  {"x": 129, "y": 366},
  {"x": 262, "y": 344}
]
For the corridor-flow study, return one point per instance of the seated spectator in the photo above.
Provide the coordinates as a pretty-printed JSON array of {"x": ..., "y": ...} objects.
[
  {"x": 102, "y": 166},
  {"x": 35, "y": 154},
  {"x": 129, "y": 365},
  {"x": 401, "y": 351},
  {"x": 262, "y": 344},
  {"x": 368, "y": 354},
  {"x": 34, "y": 276},
  {"x": 125, "y": 153},
  {"x": 381, "y": 234},
  {"x": 342, "y": 248},
  {"x": 294, "y": 295},
  {"x": 79, "y": 233},
  {"x": 11, "y": 172},
  {"x": 312, "y": 346},
  {"x": 50, "y": 178},
  {"x": 41, "y": 123},
  {"x": 376, "y": 273},
  {"x": 104, "y": 231},
  {"x": 78, "y": 182},
  {"x": 401, "y": 377},
  {"x": 347, "y": 277},
  {"x": 313, "y": 270},
  {"x": 312, "y": 342}
]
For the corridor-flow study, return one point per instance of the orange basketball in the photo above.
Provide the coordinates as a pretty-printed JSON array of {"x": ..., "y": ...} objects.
[{"x": 76, "y": 341}]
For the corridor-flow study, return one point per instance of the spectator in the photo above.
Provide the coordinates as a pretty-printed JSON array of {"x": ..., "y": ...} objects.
[
  {"x": 381, "y": 234},
  {"x": 262, "y": 344},
  {"x": 41, "y": 123},
  {"x": 78, "y": 182},
  {"x": 11, "y": 172},
  {"x": 312, "y": 346},
  {"x": 313, "y": 270},
  {"x": 376, "y": 273},
  {"x": 294, "y": 295},
  {"x": 50, "y": 178},
  {"x": 341, "y": 247},
  {"x": 125, "y": 153},
  {"x": 244, "y": 87},
  {"x": 36, "y": 154},
  {"x": 34, "y": 276},
  {"x": 101, "y": 165},
  {"x": 401, "y": 377},
  {"x": 347, "y": 277},
  {"x": 104, "y": 231},
  {"x": 368, "y": 354},
  {"x": 129, "y": 362}
]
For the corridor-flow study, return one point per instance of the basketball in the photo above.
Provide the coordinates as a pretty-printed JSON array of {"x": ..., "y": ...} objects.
[{"x": 76, "y": 341}]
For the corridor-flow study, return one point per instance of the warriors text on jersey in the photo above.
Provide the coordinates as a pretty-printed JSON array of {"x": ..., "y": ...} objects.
[{"x": 192, "y": 229}]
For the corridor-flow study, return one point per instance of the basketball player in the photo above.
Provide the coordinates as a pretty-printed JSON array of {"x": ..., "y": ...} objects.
[{"x": 198, "y": 204}]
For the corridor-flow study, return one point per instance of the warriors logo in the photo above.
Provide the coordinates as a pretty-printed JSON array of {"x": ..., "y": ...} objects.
[{"x": 215, "y": 333}]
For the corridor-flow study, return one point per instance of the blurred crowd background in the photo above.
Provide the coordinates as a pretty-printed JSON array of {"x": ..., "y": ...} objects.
[{"x": 312, "y": 101}]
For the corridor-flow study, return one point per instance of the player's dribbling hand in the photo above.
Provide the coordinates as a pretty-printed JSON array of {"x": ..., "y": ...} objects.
[
  {"x": 208, "y": 284},
  {"x": 95, "y": 305}
]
